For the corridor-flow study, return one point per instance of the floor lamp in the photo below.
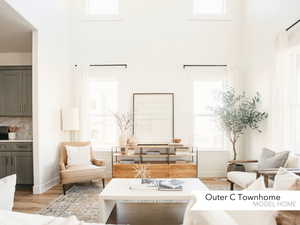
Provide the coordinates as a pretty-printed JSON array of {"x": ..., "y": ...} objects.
[{"x": 70, "y": 122}]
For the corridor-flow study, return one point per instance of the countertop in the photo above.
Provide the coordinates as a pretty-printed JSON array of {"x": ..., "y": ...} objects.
[{"x": 13, "y": 141}]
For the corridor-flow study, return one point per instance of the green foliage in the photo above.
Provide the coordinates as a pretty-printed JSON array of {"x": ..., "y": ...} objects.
[{"x": 238, "y": 112}]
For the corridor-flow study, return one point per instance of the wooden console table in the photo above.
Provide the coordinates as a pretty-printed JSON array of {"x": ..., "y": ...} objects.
[{"x": 170, "y": 161}]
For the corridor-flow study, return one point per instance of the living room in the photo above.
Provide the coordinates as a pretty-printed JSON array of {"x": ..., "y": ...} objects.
[{"x": 145, "y": 85}]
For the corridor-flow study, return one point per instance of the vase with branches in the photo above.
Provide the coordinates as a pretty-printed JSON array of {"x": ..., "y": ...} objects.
[
  {"x": 236, "y": 113},
  {"x": 124, "y": 123}
]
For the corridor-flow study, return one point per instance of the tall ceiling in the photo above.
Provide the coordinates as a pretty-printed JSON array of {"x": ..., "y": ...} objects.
[{"x": 15, "y": 32}]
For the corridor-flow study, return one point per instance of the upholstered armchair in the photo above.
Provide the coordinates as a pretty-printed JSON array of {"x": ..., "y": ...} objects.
[{"x": 79, "y": 173}]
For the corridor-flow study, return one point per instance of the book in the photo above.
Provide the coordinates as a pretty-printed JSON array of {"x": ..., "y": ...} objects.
[{"x": 170, "y": 185}]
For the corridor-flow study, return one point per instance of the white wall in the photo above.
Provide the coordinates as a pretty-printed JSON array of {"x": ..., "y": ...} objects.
[
  {"x": 15, "y": 58},
  {"x": 263, "y": 21},
  {"x": 51, "y": 82},
  {"x": 155, "y": 38}
]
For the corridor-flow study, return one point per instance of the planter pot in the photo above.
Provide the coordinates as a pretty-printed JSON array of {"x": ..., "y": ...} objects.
[
  {"x": 12, "y": 135},
  {"x": 235, "y": 167},
  {"x": 123, "y": 140}
]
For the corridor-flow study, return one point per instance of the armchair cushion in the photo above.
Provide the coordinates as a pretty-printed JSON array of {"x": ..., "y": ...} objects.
[
  {"x": 78, "y": 155},
  {"x": 81, "y": 173},
  {"x": 270, "y": 159},
  {"x": 243, "y": 179}
]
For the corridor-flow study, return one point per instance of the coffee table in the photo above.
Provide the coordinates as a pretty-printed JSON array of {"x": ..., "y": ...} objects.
[{"x": 119, "y": 190}]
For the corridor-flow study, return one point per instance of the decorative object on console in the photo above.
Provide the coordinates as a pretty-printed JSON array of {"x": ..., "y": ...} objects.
[
  {"x": 12, "y": 132},
  {"x": 124, "y": 122},
  {"x": 177, "y": 140},
  {"x": 70, "y": 121}
]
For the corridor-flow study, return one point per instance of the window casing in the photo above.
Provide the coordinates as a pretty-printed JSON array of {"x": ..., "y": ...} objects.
[
  {"x": 208, "y": 135},
  {"x": 102, "y": 103}
]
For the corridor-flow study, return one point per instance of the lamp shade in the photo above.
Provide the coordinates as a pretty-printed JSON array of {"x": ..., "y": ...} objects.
[{"x": 70, "y": 119}]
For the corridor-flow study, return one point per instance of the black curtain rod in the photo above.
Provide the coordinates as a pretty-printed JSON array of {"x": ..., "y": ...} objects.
[
  {"x": 194, "y": 65},
  {"x": 121, "y": 65},
  {"x": 294, "y": 24}
]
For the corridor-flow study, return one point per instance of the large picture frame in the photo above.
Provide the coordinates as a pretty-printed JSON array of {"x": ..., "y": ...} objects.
[{"x": 153, "y": 118}]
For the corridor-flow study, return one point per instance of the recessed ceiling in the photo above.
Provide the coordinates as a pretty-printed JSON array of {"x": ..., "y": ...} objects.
[{"x": 15, "y": 32}]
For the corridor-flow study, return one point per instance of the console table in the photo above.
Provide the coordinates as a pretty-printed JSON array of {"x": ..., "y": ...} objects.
[{"x": 161, "y": 161}]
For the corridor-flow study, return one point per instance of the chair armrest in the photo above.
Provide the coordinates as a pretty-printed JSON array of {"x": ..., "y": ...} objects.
[
  {"x": 62, "y": 166},
  {"x": 242, "y": 161},
  {"x": 98, "y": 162}
]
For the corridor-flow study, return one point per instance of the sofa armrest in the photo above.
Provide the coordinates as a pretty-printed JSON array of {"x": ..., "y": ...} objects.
[{"x": 98, "y": 162}]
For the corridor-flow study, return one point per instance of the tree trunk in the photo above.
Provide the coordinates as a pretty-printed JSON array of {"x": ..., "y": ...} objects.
[{"x": 234, "y": 150}]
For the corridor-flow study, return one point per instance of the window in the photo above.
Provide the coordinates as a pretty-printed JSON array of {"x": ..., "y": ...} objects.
[
  {"x": 209, "y": 7},
  {"x": 102, "y": 103},
  {"x": 102, "y": 7},
  {"x": 207, "y": 134}
]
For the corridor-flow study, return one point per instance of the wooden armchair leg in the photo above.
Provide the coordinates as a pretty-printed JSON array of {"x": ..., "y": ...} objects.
[
  {"x": 64, "y": 189},
  {"x": 231, "y": 186},
  {"x": 103, "y": 183}
]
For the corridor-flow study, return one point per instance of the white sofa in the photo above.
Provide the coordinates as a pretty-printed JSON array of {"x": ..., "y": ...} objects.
[{"x": 244, "y": 179}]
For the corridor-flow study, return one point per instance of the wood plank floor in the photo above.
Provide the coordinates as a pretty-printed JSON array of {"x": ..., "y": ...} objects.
[{"x": 139, "y": 214}]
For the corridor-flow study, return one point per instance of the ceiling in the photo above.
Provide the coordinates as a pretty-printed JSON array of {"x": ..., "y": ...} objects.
[{"x": 15, "y": 32}]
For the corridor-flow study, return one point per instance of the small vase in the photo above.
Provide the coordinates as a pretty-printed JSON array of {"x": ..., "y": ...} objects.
[
  {"x": 12, "y": 135},
  {"x": 123, "y": 140}
]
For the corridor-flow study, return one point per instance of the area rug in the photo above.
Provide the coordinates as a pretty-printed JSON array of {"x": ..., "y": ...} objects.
[{"x": 82, "y": 200}]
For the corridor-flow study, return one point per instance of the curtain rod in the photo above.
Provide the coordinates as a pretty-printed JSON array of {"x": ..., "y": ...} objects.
[
  {"x": 121, "y": 65},
  {"x": 294, "y": 24},
  {"x": 195, "y": 65}
]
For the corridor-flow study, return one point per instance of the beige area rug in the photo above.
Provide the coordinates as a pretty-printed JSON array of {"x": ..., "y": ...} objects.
[{"x": 82, "y": 201}]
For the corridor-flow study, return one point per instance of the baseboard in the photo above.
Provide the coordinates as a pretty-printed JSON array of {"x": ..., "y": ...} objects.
[
  {"x": 212, "y": 173},
  {"x": 41, "y": 188}
]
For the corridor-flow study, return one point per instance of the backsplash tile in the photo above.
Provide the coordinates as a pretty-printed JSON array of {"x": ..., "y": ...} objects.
[{"x": 24, "y": 123}]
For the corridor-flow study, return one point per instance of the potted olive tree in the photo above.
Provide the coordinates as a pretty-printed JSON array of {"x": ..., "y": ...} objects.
[{"x": 236, "y": 113}]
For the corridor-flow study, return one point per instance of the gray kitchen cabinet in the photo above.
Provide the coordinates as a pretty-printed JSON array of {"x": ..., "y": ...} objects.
[
  {"x": 21, "y": 164},
  {"x": 15, "y": 91},
  {"x": 16, "y": 158},
  {"x": 4, "y": 164}
]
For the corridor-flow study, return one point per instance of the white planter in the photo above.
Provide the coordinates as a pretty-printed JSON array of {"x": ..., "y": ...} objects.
[
  {"x": 123, "y": 140},
  {"x": 12, "y": 135}
]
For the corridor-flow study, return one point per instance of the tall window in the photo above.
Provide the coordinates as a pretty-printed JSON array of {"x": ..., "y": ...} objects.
[
  {"x": 102, "y": 7},
  {"x": 207, "y": 134},
  {"x": 209, "y": 7},
  {"x": 102, "y": 103}
]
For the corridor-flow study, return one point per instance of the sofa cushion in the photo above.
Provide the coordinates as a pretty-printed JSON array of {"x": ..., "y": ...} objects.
[
  {"x": 284, "y": 180},
  {"x": 243, "y": 179},
  {"x": 270, "y": 159},
  {"x": 81, "y": 173},
  {"x": 7, "y": 192},
  {"x": 293, "y": 161}
]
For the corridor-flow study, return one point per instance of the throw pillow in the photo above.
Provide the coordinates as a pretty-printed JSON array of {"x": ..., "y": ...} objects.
[
  {"x": 270, "y": 159},
  {"x": 7, "y": 192},
  {"x": 78, "y": 155},
  {"x": 254, "y": 217},
  {"x": 284, "y": 179},
  {"x": 290, "y": 217}
]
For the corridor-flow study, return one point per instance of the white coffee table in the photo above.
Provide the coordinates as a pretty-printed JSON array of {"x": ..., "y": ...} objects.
[{"x": 119, "y": 189}]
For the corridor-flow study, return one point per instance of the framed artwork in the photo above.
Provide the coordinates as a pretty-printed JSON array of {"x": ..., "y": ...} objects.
[{"x": 153, "y": 118}]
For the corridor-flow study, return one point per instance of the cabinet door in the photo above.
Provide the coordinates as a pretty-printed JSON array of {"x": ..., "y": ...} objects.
[
  {"x": 27, "y": 93},
  {"x": 22, "y": 165},
  {"x": 4, "y": 164},
  {"x": 10, "y": 92}
]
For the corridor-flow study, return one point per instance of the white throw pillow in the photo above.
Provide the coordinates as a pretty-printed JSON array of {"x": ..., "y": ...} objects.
[
  {"x": 254, "y": 217},
  {"x": 79, "y": 155},
  {"x": 7, "y": 192},
  {"x": 284, "y": 179}
]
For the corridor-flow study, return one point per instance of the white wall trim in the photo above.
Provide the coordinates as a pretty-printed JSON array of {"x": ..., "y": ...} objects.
[{"x": 41, "y": 188}]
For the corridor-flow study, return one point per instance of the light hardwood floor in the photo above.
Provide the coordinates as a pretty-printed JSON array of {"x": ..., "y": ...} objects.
[{"x": 26, "y": 202}]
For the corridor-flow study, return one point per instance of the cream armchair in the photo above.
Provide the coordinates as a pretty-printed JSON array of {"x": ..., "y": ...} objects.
[{"x": 80, "y": 173}]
